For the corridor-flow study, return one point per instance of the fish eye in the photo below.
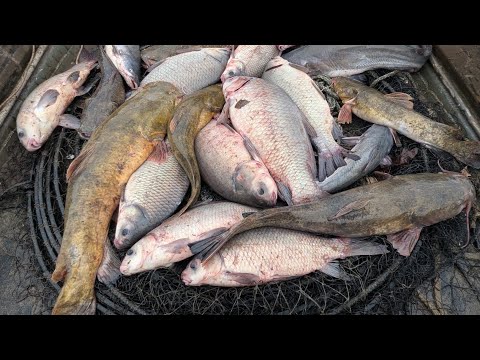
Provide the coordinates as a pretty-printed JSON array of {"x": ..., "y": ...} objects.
[
  {"x": 125, "y": 232},
  {"x": 193, "y": 266},
  {"x": 130, "y": 252},
  {"x": 21, "y": 134},
  {"x": 261, "y": 191},
  {"x": 231, "y": 73}
]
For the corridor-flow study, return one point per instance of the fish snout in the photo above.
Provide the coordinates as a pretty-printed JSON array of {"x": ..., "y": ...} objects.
[
  {"x": 187, "y": 280},
  {"x": 33, "y": 145}
]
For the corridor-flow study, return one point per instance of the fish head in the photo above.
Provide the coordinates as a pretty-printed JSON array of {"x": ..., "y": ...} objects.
[
  {"x": 137, "y": 257},
  {"x": 79, "y": 73},
  {"x": 130, "y": 220},
  {"x": 125, "y": 63},
  {"x": 196, "y": 272},
  {"x": 346, "y": 89},
  {"x": 29, "y": 130},
  {"x": 253, "y": 179},
  {"x": 235, "y": 67},
  {"x": 233, "y": 84}
]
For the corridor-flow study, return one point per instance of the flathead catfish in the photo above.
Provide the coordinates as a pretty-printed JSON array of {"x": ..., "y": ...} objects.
[
  {"x": 398, "y": 207},
  {"x": 191, "y": 116},
  {"x": 373, "y": 106},
  {"x": 96, "y": 180}
]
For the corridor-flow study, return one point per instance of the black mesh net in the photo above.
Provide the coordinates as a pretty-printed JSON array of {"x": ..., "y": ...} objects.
[{"x": 386, "y": 284}]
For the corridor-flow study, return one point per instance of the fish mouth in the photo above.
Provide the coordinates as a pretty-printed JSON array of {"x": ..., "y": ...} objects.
[
  {"x": 118, "y": 244},
  {"x": 85, "y": 135},
  {"x": 186, "y": 279},
  {"x": 124, "y": 269},
  {"x": 33, "y": 145}
]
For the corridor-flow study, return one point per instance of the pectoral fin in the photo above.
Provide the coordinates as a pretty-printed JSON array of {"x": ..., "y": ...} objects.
[
  {"x": 284, "y": 193},
  {"x": 353, "y": 206},
  {"x": 48, "y": 98},
  {"x": 404, "y": 241},
  {"x": 69, "y": 121}
]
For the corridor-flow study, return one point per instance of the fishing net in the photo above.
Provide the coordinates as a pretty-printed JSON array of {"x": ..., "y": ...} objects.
[{"x": 387, "y": 284}]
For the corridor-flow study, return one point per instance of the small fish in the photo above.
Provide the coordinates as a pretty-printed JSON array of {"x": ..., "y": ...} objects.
[
  {"x": 348, "y": 60},
  {"x": 396, "y": 112},
  {"x": 126, "y": 59},
  {"x": 43, "y": 110},
  {"x": 194, "y": 112},
  {"x": 227, "y": 167},
  {"x": 153, "y": 192},
  {"x": 168, "y": 243},
  {"x": 270, "y": 254}
]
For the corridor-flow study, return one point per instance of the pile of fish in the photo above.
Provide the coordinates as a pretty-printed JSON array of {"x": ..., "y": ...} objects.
[{"x": 250, "y": 122}]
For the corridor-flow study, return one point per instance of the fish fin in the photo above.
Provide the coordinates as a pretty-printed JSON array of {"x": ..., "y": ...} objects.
[
  {"x": 69, "y": 121},
  {"x": 404, "y": 241},
  {"x": 75, "y": 307},
  {"x": 250, "y": 148},
  {"x": 86, "y": 55},
  {"x": 300, "y": 67},
  {"x": 160, "y": 153},
  {"x": 396, "y": 138},
  {"x": 247, "y": 214},
  {"x": 245, "y": 279},
  {"x": 222, "y": 118},
  {"x": 333, "y": 269},
  {"x": 357, "y": 247},
  {"x": 73, "y": 77},
  {"x": 312, "y": 134},
  {"x": 241, "y": 103},
  {"x": 61, "y": 268},
  {"x": 406, "y": 156},
  {"x": 345, "y": 114},
  {"x": 379, "y": 175},
  {"x": 386, "y": 161},
  {"x": 200, "y": 203},
  {"x": 353, "y": 206},
  {"x": 48, "y": 98},
  {"x": 229, "y": 127},
  {"x": 87, "y": 87},
  {"x": 350, "y": 140},
  {"x": 315, "y": 86},
  {"x": 272, "y": 67},
  {"x": 206, "y": 248},
  {"x": 80, "y": 162},
  {"x": 284, "y": 193},
  {"x": 213, "y": 232},
  {"x": 174, "y": 122},
  {"x": 402, "y": 100},
  {"x": 331, "y": 159},
  {"x": 109, "y": 270},
  {"x": 337, "y": 131}
]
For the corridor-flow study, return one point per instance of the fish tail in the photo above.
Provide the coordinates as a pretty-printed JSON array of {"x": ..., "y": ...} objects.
[
  {"x": 331, "y": 158},
  {"x": 74, "y": 306},
  {"x": 469, "y": 153},
  {"x": 109, "y": 270},
  {"x": 357, "y": 247},
  {"x": 206, "y": 248}
]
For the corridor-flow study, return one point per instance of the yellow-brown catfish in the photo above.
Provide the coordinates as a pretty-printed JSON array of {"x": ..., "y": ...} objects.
[
  {"x": 191, "y": 116},
  {"x": 96, "y": 179}
]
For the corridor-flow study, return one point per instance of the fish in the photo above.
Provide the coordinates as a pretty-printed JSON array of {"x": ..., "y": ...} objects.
[
  {"x": 168, "y": 243},
  {"x": 108, "y": 96},
  {"x": 191, "y": 71},
  {"x": 126, "y": 59},
  {"x": 249, "y": 60},
  {"x": 399, "y": 207},
  {"x": 311, "y": 101},
  {"x": 153, "y": 193},
  {"x": 266, "y": 255},
  {"x": 96, "y": 178},
  {"x": 273, "y": 132},
  {"x": 348, "y": 60},
  {"x": 158, "y": 53},
  {"x": 44, "y": 108},
  {"x": 373, "y": 147},
  {"x": 390, "y": 110},
  {"x": 228, "y": 168},
  {"x": 194, "y": 112}
]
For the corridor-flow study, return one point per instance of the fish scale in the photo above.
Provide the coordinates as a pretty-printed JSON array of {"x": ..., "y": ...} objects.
[
  {"x": 273, "y": 123},
  {"x": 270, "y": 254},
  {"x": 191, "y": 71},
  {"x": 152, "y": 194}
]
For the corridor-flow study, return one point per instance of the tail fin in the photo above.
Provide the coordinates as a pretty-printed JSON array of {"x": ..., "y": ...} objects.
[
  {"x": 206, "y": 248},
  {"x": 330, "y": 158},
  {"x": 363, "y": 247},
  {"x": 109, "y": 270}
]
